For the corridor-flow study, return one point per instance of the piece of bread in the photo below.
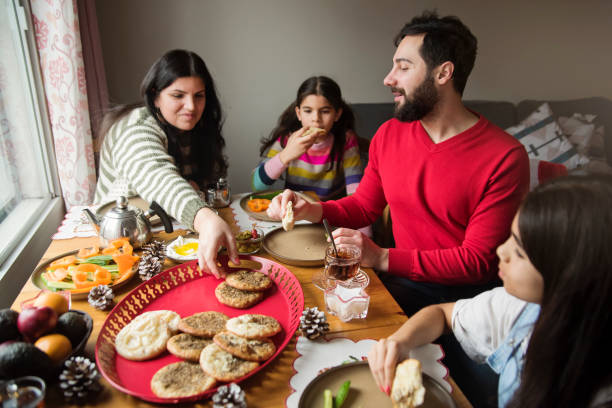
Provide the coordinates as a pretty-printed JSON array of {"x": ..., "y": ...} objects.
[
  {"x": 145, "y": 337},
  {"x": 220, "y": 364},
  {"x": 253, "y": 326},
  {"x": 288, "y": 219},
  {"x": 313, "y": 130},
  {"x": 248, "y": 280},
  {"x": 181, "y": 379},
  {"x": 250, "y": 350},
  {"x": 187, "y": 346},
  {"x": 204, "y": 324},
  {"x": 407, "y": 390},
  {"x": 240, "y": 299}
]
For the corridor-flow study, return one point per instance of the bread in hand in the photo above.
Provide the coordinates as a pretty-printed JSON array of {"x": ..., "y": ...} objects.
[
  {"x": 288, "y": 220},
  {"x": 407, "y": 390}
]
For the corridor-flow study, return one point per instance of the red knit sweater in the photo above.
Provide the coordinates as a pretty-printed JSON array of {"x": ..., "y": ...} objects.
[{"x": 451, "y": 203}]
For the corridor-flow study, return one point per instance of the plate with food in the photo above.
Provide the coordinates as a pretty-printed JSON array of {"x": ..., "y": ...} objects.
[
  {"x": 304, "y": 245},
  {"x": 79, "y": 270},
  {"x": 362, "y": 389},
  {"x": 256, "y": 204},
  {"x": 194, "y": 298},
  {"x": 183, "y": 249}
]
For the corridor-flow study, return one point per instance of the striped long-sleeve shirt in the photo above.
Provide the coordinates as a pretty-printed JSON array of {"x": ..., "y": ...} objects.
[
  {"x": 134, "y": 160},
  {"x": 310, "y": 172}
]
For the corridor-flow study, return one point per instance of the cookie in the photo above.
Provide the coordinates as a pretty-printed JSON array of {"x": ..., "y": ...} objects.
[
  {"x": 240, "y": 299},
  {"x": 181, "y": 379},
  {"x": 251, "y": 350},
  {"x": 145, "y": 337},
  {"x": 253, "y": 326},
  {"x": 223, "y": 366},
  {"x": 245, "y": 279},
  {"x": 187, "y": 346},
  {"x": 205, "y": 324}
]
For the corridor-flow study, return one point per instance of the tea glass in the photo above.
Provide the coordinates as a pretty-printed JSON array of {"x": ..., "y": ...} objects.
[
  {"x": 22, "y": 392},
  {"x": 341, "y": 268}
]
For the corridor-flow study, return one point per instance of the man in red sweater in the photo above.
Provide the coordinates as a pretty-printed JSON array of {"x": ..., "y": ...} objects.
[{"x": 453, "y": 180}]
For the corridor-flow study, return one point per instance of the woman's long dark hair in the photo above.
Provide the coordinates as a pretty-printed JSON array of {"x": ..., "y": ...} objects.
[
  {"x": 566, "y": 230},
  {"x": 288, "y": 121},
  {"x": 207, "y": 138}
]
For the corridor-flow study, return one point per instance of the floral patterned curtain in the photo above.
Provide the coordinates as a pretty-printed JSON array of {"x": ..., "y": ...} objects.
[{"x": 56, "y": 25}]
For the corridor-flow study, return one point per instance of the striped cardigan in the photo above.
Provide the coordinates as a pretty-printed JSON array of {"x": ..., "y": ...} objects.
[
  {"x": 134, "y": 160},
  {"x": 310, "y": 171}
]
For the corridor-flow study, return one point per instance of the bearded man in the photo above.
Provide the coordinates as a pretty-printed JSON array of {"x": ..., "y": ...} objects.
[{"x": 453, "y": 180}]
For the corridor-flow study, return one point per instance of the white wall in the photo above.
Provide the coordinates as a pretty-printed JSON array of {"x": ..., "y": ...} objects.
[{"x": 259, "y": 51}]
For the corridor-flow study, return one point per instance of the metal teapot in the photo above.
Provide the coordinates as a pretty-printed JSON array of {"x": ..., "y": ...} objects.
[{"x": 127, "y": 221}]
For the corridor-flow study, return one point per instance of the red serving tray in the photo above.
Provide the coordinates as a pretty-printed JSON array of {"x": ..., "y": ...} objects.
[{"x": 186, "y": 290}]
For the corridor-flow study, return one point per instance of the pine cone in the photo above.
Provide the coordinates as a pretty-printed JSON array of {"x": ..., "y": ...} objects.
[
  {"x": 79, "y": 379},
  {"x": 101, "y": 297},
  {"x": 149, "y": 266},
  {"x": 313, "y": 323},
  {"x": 229, "y": 396},
  {"x": 155, "y": 248}
]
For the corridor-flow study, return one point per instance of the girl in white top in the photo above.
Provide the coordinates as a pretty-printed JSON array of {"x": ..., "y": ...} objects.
[{"x": 547, "y": 331}]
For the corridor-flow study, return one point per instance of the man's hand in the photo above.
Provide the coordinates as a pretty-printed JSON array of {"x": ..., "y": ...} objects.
[
  {"x": 302, "y": 209},
  {"x": 213, "y": 233},
  {"x": 372, "y": 255}
]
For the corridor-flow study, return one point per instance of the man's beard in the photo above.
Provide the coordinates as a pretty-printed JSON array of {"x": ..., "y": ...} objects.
[{"x": 424, "y": 99}]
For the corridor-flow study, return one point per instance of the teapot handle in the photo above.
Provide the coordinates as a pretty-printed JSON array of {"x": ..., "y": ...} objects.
[{"x": 156, "y": 209}]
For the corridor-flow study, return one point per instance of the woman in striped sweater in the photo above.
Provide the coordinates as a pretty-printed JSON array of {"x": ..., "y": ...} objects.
[
  {"x": 168, "y": 148},
  {"x": 314, "y": 146}
]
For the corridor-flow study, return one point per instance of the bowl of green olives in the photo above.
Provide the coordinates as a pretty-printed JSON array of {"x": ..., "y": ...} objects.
[{"x": 249, "y": 241}]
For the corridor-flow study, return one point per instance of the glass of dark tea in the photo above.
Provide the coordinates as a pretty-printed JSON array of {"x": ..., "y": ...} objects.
[{"x": 344, "y": 265}]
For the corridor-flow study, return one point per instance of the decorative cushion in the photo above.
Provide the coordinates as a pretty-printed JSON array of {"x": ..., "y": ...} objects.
[
  {"x": 541, "y": 171},
  {"x": 544, "y": 140}
]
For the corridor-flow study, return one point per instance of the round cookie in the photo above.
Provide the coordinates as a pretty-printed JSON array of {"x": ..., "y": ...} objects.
[
  {"x": 204, "y": 324},
  {"x": 248, "y": 280},
  {"x": 145, "y": 337},
  {"x": 251, "y": 350},
  {"x": 253, "y": 326},
  {"x": 240, "y": 299},
  {"x": 180, "y": 379},
  {"x": 220, "y": 364},
  {"x": 187, "y": 346}
]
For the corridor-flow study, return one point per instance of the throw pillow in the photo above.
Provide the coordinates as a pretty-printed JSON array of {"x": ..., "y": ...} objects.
[{"x": 544, "y": 140}]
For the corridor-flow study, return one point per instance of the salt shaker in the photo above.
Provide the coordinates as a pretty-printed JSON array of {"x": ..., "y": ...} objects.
[{"x": 218, "y": 194}]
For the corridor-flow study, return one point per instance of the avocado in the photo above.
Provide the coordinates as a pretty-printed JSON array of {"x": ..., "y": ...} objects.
[
  {"x": 19, "y": 359},
  {"x": 8, "y": 325},
  {"x": 72, "y": 325}
]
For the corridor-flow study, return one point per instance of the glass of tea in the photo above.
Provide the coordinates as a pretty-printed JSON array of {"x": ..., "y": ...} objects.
[
  {"x": 344, "y": 265},
  {"x": 22, "y": 392}
]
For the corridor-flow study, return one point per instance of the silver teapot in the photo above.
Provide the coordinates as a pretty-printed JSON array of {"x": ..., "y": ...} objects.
[{"x": 127, "y": 221}]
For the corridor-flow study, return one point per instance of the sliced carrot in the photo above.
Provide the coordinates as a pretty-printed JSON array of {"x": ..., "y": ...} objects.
[
  {"x": 118, "y": 243},
  {"x": 80, "y": 278},
  {"x": 85, "y": 267},
  {"x": 56, "y": 275},
  {"x": 124, "y": 277},
  {"x": 125, "y": 262},
  {"x": 258, "y": 204},
  {"x": 88, "y": 252},
  {"x": 63, "y": 262},
  {"x": 102, "y": 276},
  {"x": 110, "y": 250},
  {"x": 119, "y": 247}
]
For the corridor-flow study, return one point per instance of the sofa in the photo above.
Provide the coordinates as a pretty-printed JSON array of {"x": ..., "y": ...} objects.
[{"x": 369, "y": 116}]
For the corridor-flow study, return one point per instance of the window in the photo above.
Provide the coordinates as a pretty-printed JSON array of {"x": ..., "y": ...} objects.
[{"x": 28, "y": 180}]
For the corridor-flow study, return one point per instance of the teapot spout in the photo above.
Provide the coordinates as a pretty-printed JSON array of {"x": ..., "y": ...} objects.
[{"x": 93, "y": 220}]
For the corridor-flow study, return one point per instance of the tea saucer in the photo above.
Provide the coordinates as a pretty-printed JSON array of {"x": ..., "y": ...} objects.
[{"x": 361, "y": 280}]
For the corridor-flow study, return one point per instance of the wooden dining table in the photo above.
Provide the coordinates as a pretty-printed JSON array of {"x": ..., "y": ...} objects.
[{"x": 269, "y": 387}]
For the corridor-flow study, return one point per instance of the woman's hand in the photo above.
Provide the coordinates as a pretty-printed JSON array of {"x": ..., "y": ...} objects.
[
  {"x": 302, "y": 209},
  {"x": 297, "y": 145},
  {"x": 382, "y": 359},
  {"x": 372, "y": 255},
  {"x": 214, "y": 233}
]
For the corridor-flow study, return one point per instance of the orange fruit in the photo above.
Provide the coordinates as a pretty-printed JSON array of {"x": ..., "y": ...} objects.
[
  {"x": 56, "y": 346},
  {"x": 55, "y": 301}
]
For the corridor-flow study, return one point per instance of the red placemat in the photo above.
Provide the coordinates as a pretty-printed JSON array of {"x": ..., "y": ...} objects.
[{"x": 186, "y": 290}]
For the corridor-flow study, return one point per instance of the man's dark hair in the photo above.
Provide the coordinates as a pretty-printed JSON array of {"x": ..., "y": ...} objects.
[{"x": 446, "y": 39}]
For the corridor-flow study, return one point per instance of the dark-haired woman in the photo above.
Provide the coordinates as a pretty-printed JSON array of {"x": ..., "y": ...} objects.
[
  {"x": 169, "y": 147},
  {"x": 546, "y": 332},
  {"x": 314, "y": 146}
]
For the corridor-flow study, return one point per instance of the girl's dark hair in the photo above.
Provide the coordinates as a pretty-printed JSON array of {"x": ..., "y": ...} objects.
[
  {"x": 566, "y": 230},
  {"x": 288, "y": 121},
  {"x": 207, "y": 138}
]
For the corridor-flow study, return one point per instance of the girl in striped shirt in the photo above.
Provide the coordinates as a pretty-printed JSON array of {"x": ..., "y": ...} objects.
[{"x": 314, "y": 146}]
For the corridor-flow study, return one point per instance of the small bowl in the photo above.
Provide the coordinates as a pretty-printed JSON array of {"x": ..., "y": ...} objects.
[{"x": 247, "y": 245}]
